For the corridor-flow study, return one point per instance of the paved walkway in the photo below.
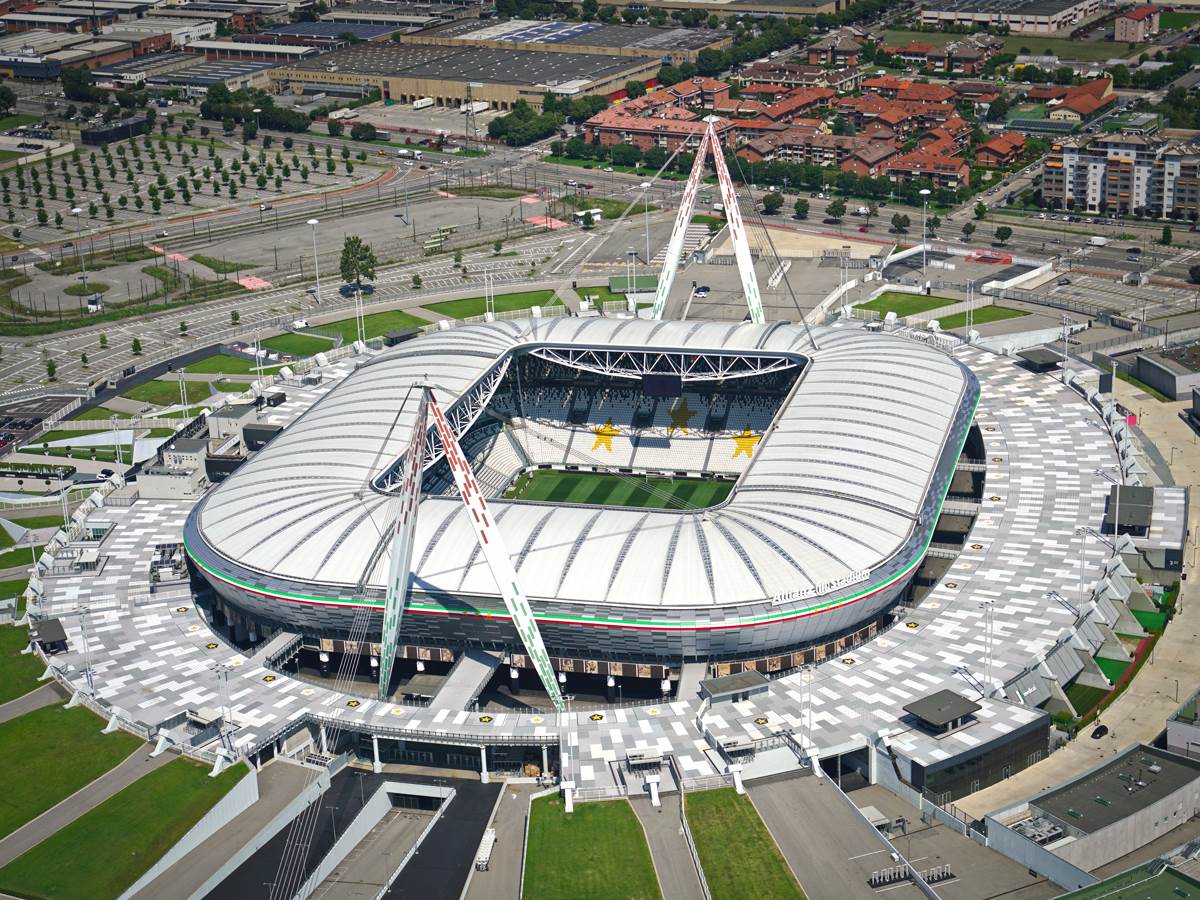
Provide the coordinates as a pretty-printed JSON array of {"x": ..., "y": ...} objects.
[
  {"x": 278, "y": 784},
  {"x": 1170, "y": 674},
  {"x": 502, "y": 880},
  {"x": 46, "y": 695},
  {"x": 88, "y": 797},
  {"x": 668, "y": 847},
  {"x": 366, "y": 868}
]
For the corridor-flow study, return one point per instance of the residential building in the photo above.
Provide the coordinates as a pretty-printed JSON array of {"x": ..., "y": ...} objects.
[
  {"x": 838, "y": 48},
  {"x": 1002, "y": 150},
  {"x": 1137, "y": 25},
  {"x": 612, "y": 126},
  {"x": 1082, "y": 102},
  {"x": 790, "y": 75},
  {"x": 944, "y": 171},
  {"x": 966, "y": 55}
]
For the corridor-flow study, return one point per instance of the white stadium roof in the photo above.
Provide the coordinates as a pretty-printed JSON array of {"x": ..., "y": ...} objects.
[{"x": 836, "y": 486}]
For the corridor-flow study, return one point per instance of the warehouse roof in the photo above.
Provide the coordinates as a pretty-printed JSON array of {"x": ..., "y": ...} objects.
[{"x": 527, "y": 32}]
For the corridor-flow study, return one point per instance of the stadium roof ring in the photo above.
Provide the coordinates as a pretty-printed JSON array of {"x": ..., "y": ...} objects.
[
  {"x": 153, "y": 651},
  {"x": 821, "y": 531}
]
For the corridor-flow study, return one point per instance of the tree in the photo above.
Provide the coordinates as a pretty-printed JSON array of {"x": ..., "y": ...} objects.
[
  {"x": 1167, "y": 236},
  {"x": 335, "y": 128},
  {"x": 968, "y": 230},
  {"x": 51, "y": 369},
  {"x": 1003, "y": 233},
  {"x": 900, "y": 223},
  {"x": 1194, "y": 273},
  {"x": 183, "y": 327},
  {"x": 772, "y": 203},
  {"x": 588, "y": 222},
  {"x": 363, "y": 131},
  {"x": 981, "y": 209},
  {"x": 83, "y": 360},
  {"x": 103, "y": 340},
  {"x": 358, "y": 261},
  {"x": 136, "y": 347},
  {"x": 635, "y": 89},
  {"x": 496, "y": 246},
  {"x": 801, "y": 209},
  {"x": 836, "y": 209},
  {"x": 416, "y": 282},
  {"x": 234, "y": 317}
]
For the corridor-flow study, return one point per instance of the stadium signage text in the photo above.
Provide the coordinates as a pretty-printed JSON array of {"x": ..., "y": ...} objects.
[{"x": 818, "y": 590}]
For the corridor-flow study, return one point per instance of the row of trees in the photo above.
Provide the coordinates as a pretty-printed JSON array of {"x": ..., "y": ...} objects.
[
  {"x": 524, "y": 126},
  {"x": 221, "y": 104}
]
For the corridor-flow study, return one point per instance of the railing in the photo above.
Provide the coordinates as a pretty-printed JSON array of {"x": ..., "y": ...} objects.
[
  {"x": 412, "y": 851},
  {"x": 687, "y": 830}
]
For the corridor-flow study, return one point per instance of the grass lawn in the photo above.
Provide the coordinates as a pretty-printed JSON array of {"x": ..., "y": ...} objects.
[
  {"x": 1113, "y": 669},
  {"x": 475, "y": 306},
  {"x": 374, "y": 325},
  {"x": 37, "y": 521},
  {"x": 1027, "y": 111},
  {"x": 600, "y": 165},
  {"x": 160, "y": 393},
  {"x": 56, "y": 751},
  {"x": 613, "y": 490},
  {"x": 599, "y": 294},
  {"x": 300, "y": 345},
  {"x": 16, "y": 121},
  {"x": 93, "y": 287},
  {"x": 609, "y": 209},
  {"x": 20, "y": 556},
  {"x": 1083, "y": 697},
  {"x": 982, "y": 316},
  {"x": 99, "y": 412},
  {"x": 6, "y": 155},
  {"x": 490, "y": 191},
  {"x": 738, "y": 854},
  {"x": 905, "y": 304},
  {"x": 124, "y": 836},
  {"x": 222, "y": 266},
  {"x": 18, "y": 674},
  {"x": 596, "y": 853},
  {"x": 229, "y": 387},
  {"x": 1153, "y": 622},
  {"x": 221, "y": 364},
  {"x": 1170, "y": 21}
]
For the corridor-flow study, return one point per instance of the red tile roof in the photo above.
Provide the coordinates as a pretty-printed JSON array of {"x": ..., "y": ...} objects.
[
  {"x": 926, "y": 93},
  {"x": 1138, "y": 13}
]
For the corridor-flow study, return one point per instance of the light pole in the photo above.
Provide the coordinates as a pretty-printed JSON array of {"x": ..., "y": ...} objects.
[
  {"x": 924, "y": 192},
  {"x": 313, "y": 223},
  {"x": 646, "y": 216},
  {"x": 75, "y": 211},
  {"x": 256, "y": 112},
  {"x": 117, "y": 441}
]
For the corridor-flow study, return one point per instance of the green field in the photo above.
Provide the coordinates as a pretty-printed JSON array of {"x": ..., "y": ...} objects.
[
  {"x": 476, "y": 306},
  {"x": 298, "y": 345},
  {"x": 375, "y": 325},
  {"x": 1028, "y": 111},
  {"x": 18, "y": 674},
  {"x": 982, "y": 316},
  {"x": 738, "y": 854},
  {"x": 19, "y": 556},
  {"x": 16, "y": 121},
  {"x": 609, "y": 209},
  {"x": 221, "y": 364},
  {"x": 598, "y": 852},
  {"x": 1113, "y": 669},
  {"x": 1083, "y": 697},
  {"x": 904, "y": 304},
  {"x": 1139, "y": 884},
  {"x": 490, "y": 191},
  {"x": 56, "y": 751},
  {"x": 1061, "y": 47},
  {"x": 42, "y": 520},
  {"x": 159, "y": 393},
  {"x": 93, "y": 287},
  {"x": 124, "y": 836},
  {"x": 1170, "y": 21},
  {"x": 618, "y": 490}
]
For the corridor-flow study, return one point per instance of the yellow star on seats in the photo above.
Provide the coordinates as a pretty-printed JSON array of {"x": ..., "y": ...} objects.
[
  {"x": 746, "y": 442},
  {"x": 680, "y": 416},
  {"x": 604, "y": 435}
]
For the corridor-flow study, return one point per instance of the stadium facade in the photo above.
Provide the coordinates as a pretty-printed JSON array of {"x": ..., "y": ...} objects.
[{"x": 843, "y": 448}]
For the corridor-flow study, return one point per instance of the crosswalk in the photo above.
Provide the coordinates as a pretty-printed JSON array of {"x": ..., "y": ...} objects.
[{"x": 692, "y": 239}]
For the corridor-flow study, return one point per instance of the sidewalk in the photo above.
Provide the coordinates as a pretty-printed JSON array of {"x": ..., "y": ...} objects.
[{"x": 1168, "y": 676}]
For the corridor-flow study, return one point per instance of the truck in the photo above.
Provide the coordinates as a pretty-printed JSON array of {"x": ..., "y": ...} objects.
[
  {"x": 862, "y": 211},
  {"x": 423, "y": 103},
  {"x": 475, "y": 106},
  {"x": 1096, "y": 241},
  {"x": 405, "y": 153}
]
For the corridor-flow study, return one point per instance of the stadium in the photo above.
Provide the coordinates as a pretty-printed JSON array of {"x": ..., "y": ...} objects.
[{"x": 668, "y": 491}]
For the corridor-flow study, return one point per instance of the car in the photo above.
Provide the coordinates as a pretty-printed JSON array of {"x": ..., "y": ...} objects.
[
  {"x": 106, "y": 473},
  {"x": 571, "y": 182},
  {"x": 863, "y": 228},
  {"x": 587, "y": 187},
  {"x": 608, "y": 168},
  {"x": 161, "y": 234},
  {"x": 423, "y": 166},
  {"x": 1099, "y": 731},
  {"x": 347, "y": 290},
  {"x": 1063, "y": 282},
  {"x": 703, "y": 290},
  {"x": 263, "y": 207},
  {"x": 68, "y": 244}
]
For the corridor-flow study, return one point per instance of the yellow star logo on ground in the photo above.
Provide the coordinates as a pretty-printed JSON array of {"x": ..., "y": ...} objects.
[
  {"x": 604, "y": 435},
  {"x": 680, "y": 416},
  {"x": 746, "y": 442}
]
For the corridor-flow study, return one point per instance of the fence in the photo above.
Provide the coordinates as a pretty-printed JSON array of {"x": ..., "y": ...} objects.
[{"x": 686, "y": 829}]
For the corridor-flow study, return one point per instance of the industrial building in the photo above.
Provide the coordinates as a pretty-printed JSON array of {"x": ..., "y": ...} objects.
[
  {"x": 1021, "y": 16},
  {"x": 676, "y": 44},
  {"x": 743, "y": 7},
  {"x": 194, "y": 81},
  {"x": 498, "y": 77},
  {"x": 401, "y": 16}
]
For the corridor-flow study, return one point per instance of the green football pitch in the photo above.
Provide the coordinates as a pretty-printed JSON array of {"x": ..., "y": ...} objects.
[{"x": 618, "y": 490}]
